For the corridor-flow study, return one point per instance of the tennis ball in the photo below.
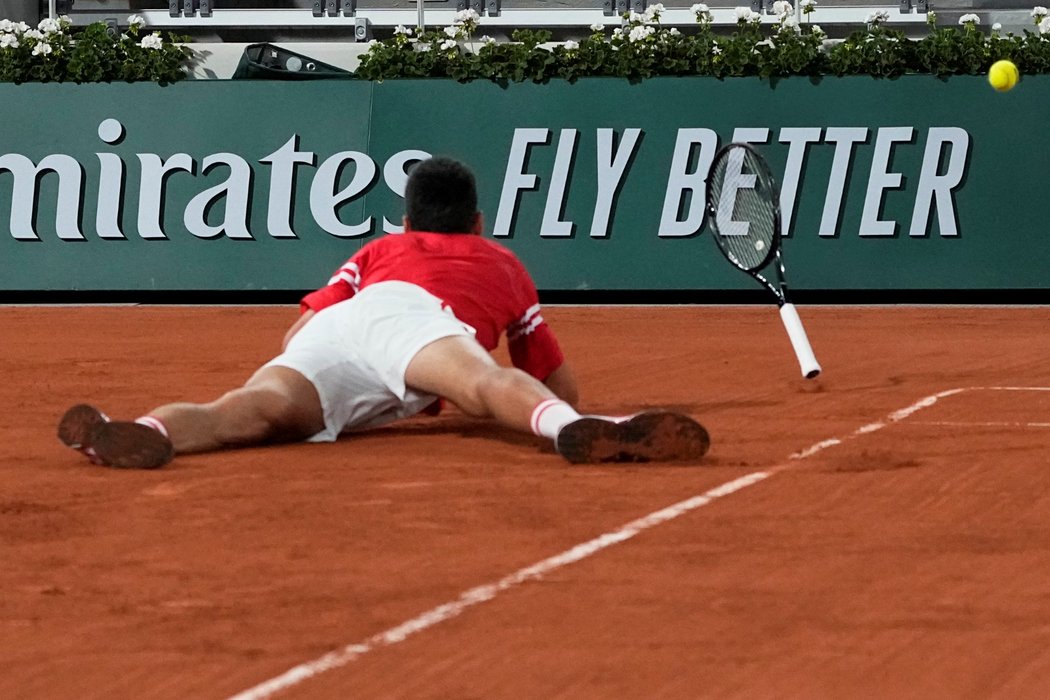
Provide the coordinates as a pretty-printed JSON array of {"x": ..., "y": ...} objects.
[{"x": 1003, "y": 75}]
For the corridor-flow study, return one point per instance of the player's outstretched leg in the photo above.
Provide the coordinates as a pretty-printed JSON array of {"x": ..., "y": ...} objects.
[
  {"x": 118, "y": 444},
  {"x": 655, "y": 436},
  {"x": 276, "y": 405},
  {"x": 460, "y": 370}
]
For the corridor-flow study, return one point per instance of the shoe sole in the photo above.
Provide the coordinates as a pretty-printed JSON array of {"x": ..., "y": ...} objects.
[
  {"x": 648, "y": 437},
  {"x": 130, "y": 446},
  {"x": 113, "y": 443}
]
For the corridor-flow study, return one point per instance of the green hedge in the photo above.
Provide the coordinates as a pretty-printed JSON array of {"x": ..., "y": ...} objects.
[
  {"x": 52, "y": 53},
  {"x": 642, "y": 48}
]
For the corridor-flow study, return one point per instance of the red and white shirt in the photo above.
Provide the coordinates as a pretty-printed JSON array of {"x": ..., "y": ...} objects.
[{"x": 482, "y": 282}]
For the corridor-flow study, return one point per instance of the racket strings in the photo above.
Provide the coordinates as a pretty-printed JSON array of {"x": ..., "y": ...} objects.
[{"x": 744, "y": 209}]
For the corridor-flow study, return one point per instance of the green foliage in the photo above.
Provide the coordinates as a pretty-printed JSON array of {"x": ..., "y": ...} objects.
[
  {"x": 794, "y": 53},
  {"x": 876, "y": 51},
  {"x": 641, "y": 47},
  {"x": 51, "y": 53},
  {"x": 518, "y": 61},
  {"x": 948, "y": 51},
  {"x": 1034, "y": 54}
]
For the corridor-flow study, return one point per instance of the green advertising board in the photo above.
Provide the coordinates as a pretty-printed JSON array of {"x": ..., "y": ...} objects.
[{"x": 249, "y": 186}]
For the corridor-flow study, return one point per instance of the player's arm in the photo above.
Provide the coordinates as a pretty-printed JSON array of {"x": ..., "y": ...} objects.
[
  {"x": 297, "y": 326},
  {"x": 344, "y": 284},
  {"x": 562, "y": 382},
  {"x": 534, "y": 349},
  {"x": 533, "y": 345}
]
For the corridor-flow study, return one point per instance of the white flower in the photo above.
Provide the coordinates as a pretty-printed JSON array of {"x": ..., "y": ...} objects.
[
  {"x": 1038, "y": 12},
  {"x": 878, "y": 17},
  {"x": 617, "y": 33},
  {"x": 1044, "y": 26},
  {"x": 402, "y": 29},
  {"x": 640, "y": 33},
  {"x": 452, "y": 32},
  {"x": 49, "y": 26},
  {"x": 742, "y": 13},
  {"x": 448, "y": 44},
  {"x": 487, "y": 40},
  {"x": 8, "y": 41},
  {"x": 808, "y": 6},
  {"x": 152, "y": 41},
  {"x": 136, "y": 21},
  {"x": 21, "y": 28},
  {"x": 467, "y": 16},
  {"x": 782, "y": 8},
  {"x": 653, "y": 12},
  {"x": 64, "y": 21},
  {"x": 790, "y": 24},
  {"x": 997, "y": 26},
  {"x": 716, "y": 49},
  {"x": 635, "y": 18},
  {"x": 970, "y": 19},
  {"x": 674, "y": 31},
  {"x": 597, "y": 27},
  {"x": 6, "y": 26},
  {"x": 699, "y": 8},
  {"x": 815, "y": 28},
  {"x": 33, "y": 34},
  {"x": 754, "y": 17},
  {"x": 42, "y": 49},
  {"x": 571, "y": 45}
]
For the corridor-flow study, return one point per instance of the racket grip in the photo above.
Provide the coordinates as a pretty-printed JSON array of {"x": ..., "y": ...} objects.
[{"x": 803, "y": 351}]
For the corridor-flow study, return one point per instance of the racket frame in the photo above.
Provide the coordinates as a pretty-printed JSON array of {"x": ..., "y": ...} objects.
[
  {"x": 788, "y": 314},
  {"x": 780, "y": 290}
]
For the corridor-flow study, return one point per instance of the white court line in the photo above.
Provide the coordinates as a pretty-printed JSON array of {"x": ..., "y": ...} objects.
[
  {"x": 976, "y": 424},
  {"x": 487, "y": 592}
]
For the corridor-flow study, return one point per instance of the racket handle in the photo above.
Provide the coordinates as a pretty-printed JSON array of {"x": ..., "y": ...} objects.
[{"x": 806, "y": 359}]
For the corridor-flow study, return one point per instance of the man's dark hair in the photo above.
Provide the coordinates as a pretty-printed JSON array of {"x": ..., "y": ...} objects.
[{"x": 441, "y": 196}]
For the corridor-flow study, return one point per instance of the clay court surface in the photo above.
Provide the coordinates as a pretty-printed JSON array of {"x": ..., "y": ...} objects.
[{"x": 879, "y": 532}]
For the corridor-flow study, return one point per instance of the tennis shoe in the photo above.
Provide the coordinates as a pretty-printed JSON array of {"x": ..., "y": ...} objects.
[
  {"x": 117, "y": 444},
  {"x": 654, "y": 436},
  {"x": 76, "y": 425}
]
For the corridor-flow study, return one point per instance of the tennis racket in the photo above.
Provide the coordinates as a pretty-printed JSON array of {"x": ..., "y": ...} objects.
[{"x": 743, "y": 206}]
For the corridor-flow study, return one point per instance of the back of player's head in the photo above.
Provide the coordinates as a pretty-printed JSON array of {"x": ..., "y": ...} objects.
[{"x": 441, "y": 196}]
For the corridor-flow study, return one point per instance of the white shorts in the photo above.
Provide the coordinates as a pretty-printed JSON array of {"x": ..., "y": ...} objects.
[{"x": 356, "y": 352}]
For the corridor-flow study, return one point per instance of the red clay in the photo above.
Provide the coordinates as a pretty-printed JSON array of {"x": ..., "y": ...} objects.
[{"x": 908, "y": 562}]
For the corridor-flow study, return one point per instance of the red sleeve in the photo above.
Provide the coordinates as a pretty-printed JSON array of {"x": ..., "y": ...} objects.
[
  {"x": 345, "y": 283},
  {"x": 533, "y": 346},
  {"x": 534, "y": 349}
]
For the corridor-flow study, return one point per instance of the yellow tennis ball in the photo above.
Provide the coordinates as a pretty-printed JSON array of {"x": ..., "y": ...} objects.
[{"x": 1003, "y": 75}]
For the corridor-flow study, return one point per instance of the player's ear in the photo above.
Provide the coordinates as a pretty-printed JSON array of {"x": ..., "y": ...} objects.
[{"x": 479, "y": 224}]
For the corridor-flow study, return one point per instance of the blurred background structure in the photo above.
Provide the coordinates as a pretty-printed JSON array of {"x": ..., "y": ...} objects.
[{"x": 336, "y": 31}]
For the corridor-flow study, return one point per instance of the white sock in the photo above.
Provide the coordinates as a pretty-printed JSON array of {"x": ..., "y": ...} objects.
[
  {"x": 151, "y": 422},
  {"x": 551, "y": 416}
]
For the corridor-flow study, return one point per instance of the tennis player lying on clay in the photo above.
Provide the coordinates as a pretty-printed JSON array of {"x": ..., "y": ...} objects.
[{"x": 409, "y": 318}]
